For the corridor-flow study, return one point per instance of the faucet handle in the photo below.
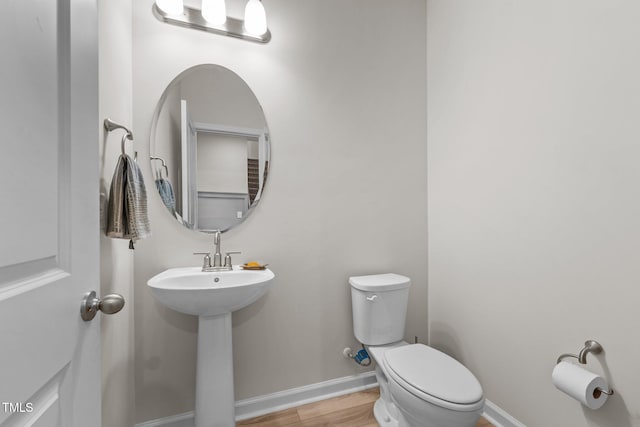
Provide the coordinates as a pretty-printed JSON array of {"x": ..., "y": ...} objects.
[
  {"x": 227, "y": 257},
  {"x": 206, "y": 263}
]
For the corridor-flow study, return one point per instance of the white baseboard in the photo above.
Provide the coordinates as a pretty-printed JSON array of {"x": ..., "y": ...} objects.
[
  {"x": 181, "y": 420},
  {"x": 256, "y": 406},
  {"x": 279, "y": 401},
  {"x": 498, "y": 417},
  {"x": 268, "y": 403}
]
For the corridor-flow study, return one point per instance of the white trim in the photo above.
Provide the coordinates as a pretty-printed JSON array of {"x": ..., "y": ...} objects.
[
  {"x": 256, "y": 406},
  {"x": 268, "y": 403},
  {"x": 179, "y": 420},
  {"x": 499, "y": 417},
  {"x": 228, "y": 130}
]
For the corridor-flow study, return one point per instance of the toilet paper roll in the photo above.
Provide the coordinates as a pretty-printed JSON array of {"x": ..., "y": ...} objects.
[{"x": 582, "y": 385}]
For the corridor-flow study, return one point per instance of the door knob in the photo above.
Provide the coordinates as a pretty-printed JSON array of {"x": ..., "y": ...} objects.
[{"x": 91, "y": 304}]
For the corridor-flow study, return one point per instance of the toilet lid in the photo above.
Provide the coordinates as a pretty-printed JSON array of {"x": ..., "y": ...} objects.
[
  {"x": 380, "y": 282},
  {"x": 427, "y": 370}
]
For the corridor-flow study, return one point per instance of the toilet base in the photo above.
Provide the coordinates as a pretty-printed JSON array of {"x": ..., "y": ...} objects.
[{"x": 382, "y": 415}]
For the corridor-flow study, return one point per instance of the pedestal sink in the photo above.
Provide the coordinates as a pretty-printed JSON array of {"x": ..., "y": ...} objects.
[{"x": 212, "y": 296}]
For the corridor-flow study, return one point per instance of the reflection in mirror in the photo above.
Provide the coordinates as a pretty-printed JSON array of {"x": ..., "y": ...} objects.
[{"x": 209, "y": 148}]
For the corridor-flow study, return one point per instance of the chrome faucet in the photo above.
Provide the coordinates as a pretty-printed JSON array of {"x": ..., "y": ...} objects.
[
  {"x": 217, "y": 257},
  {"x": 214, "y": 263}
]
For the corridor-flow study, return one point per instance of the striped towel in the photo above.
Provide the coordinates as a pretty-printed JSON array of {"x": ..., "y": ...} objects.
[
  {"x": 166, "y": 194},
  {"x": 127, "y": 216}
]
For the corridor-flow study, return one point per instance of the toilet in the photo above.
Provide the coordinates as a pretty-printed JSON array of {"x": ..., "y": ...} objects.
[{"x": 419, "y": 385}]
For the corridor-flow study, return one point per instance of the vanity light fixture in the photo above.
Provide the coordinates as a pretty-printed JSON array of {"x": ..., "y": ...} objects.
[
  {"x": 212, "y": 17},
  {"x": 214, "y": 11},
  {"x": 170, "y": 7},
  {"x": 255, "y": 18}
]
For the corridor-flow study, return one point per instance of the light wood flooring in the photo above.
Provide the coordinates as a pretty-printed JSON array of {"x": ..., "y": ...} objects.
[{"x": 351, "y": 410}]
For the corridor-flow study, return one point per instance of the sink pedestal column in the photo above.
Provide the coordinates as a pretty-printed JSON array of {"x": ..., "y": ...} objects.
[{"x": 215, "y": 400}]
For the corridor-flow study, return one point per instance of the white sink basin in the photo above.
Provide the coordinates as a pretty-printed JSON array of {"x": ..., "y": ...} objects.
[{"x": 192, "y": 291}]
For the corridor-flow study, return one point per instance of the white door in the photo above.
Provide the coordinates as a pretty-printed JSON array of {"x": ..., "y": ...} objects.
[{"x": 49, "y": 357}]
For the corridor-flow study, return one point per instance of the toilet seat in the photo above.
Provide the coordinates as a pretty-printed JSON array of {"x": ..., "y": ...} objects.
[{"x": 434, "y": 377}]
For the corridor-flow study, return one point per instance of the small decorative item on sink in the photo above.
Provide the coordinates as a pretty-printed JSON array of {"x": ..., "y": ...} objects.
[{"x": 254, "y": 265}]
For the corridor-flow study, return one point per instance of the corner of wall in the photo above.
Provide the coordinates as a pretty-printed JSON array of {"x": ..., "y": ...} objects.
[{"x": 116, "y": 260}]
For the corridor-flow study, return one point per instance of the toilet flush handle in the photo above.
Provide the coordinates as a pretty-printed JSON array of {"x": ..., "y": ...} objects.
[{"x": 372, "y": 298}]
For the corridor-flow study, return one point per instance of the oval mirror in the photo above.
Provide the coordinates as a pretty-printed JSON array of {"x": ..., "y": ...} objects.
[{"x": 209, "y": 148}]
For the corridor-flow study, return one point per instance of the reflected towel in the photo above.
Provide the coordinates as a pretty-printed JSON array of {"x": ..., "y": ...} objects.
[
  {"x": 166, "y": 194},
  {"x": 127, "y": 216}
]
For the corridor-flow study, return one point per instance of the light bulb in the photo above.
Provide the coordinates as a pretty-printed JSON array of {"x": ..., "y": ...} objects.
[
  {"x": 214, "y": 11},
  {"x": 170, "y": 7},
  {"x": 255, "y": 18}
]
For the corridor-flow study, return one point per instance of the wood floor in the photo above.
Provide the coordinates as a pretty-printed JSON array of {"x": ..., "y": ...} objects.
[{"x": 351, "y": 410}]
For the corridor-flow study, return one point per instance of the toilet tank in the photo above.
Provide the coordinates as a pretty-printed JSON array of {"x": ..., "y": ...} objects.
[{"x": 379, "y": 305}]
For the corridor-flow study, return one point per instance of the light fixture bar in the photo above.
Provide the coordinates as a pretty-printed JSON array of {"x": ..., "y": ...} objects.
[{"x": 192, "y": 18}]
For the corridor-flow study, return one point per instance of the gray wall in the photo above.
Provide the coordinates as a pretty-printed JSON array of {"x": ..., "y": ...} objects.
[
  {"x": 343, "y": 88},
  {"x": 116, "y": 260},
  {"x": 534, "y": 204}
]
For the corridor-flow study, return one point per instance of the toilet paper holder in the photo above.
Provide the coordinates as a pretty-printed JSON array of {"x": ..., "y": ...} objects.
[{"x": 590, "y": 346}]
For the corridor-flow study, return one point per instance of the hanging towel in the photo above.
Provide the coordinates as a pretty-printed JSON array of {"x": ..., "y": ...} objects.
[
  {"x": 127, "y": 216},
  {"x": 166, "y": 194}
]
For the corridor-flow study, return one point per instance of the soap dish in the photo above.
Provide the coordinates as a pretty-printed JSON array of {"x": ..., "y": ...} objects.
[{"x": 254, "y": 267}]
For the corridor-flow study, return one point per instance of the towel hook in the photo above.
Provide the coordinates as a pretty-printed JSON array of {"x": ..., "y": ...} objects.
[
  {"x": 110, "y": 126},
  {"x": 124, "y": 139},
  {"x": 164, "y": 165}
]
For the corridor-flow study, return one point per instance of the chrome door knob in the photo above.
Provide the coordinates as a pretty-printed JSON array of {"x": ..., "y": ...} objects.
[{"x": 91, "y": 304}]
